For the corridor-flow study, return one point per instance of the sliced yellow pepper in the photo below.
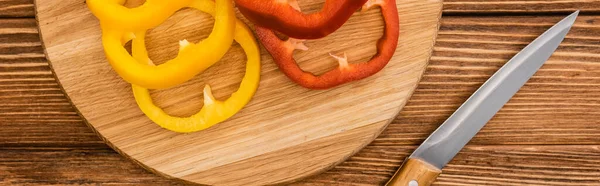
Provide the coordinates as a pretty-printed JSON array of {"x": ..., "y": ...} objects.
[
  {"x": 213, "y": 111},
  {"x": 149, "y": 15},
  {"x": 120, "y": 26}
]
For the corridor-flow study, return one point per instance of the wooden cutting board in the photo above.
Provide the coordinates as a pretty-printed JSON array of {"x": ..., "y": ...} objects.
[{"x": 284, "y": 134}]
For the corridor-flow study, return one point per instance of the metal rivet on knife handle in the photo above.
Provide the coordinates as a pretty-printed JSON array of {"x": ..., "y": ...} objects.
[{"x": 415, "y": 172}]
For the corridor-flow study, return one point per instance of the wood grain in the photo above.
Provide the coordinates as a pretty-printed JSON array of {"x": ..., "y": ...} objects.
[
  {"x": 33, "y": 110},
  {"x": 475, "y": 165},
  {"x": 16, "y": 8},
  {"x": 550, "y": 138},
  {"x": 69, "y": 166},
  {"x": 283, "y": 125},
  {"x": 499, "y": 7}
]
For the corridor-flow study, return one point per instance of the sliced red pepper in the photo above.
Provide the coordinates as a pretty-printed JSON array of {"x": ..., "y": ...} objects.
[
  {"x": 284, "y": 16},
  {"x": 282, "y": 53}
]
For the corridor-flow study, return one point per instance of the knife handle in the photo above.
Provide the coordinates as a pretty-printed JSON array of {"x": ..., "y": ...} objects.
[{"x": 414, "y": 172}]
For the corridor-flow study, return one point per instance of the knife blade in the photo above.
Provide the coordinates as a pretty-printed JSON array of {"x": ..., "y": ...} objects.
[{"x": 424, "y": 165}]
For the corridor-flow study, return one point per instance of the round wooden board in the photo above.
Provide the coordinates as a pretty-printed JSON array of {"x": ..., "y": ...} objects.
[{"x": 286, "y": 133}]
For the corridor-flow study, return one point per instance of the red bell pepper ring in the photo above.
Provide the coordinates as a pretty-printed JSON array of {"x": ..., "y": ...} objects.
[
  {"x": 284, "y": 16},
  {"x": 282, "y": 53}
]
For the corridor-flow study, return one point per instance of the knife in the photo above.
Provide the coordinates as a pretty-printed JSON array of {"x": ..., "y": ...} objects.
[{"x": 424, "y": 165}]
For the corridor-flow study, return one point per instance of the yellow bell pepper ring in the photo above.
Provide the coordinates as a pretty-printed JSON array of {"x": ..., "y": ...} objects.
[
  {"x": 149, "y": 15},
  {"x": 213, "y": 111},
  {"x": 191, "y": 59}
]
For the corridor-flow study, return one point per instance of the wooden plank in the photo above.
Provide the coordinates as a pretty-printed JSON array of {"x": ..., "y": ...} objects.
[
  {"x": 498, "y": 7},
  {"x": 475, "y": 165},
  {"x": 33, "y": 109},
  {"x": 16, "y": 8},
  {"x": 66, "y": 166}
]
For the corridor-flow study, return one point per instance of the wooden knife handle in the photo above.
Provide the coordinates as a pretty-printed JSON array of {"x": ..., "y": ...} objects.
[{"x": 414, "y": 172}]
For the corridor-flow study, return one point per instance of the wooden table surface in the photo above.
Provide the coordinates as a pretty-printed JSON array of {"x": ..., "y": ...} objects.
[{"x": 548, "y": 134}]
